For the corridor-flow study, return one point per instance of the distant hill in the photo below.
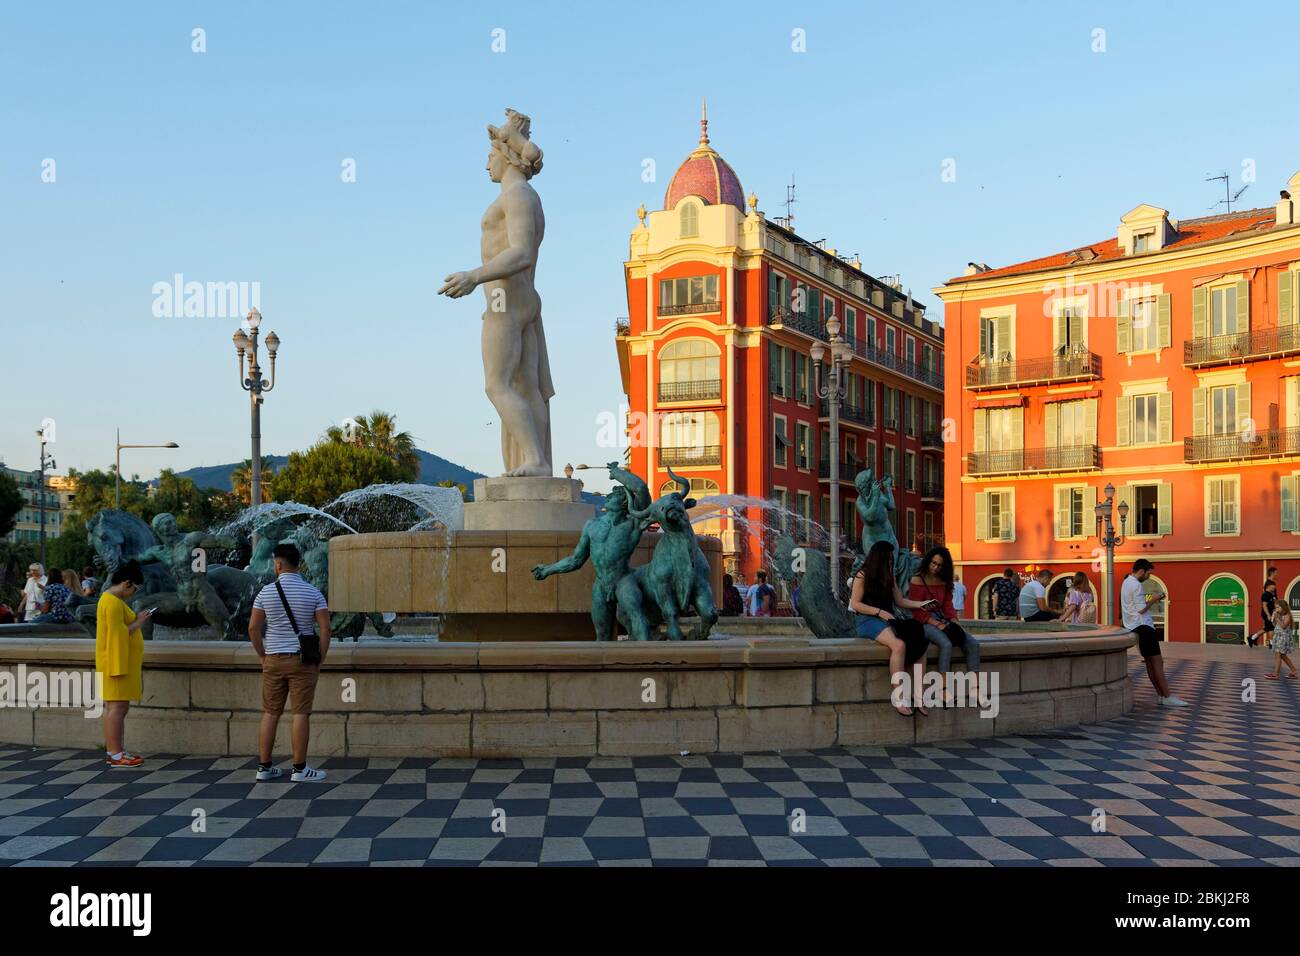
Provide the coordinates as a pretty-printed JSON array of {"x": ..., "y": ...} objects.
[{"x": 433, "y": 469}]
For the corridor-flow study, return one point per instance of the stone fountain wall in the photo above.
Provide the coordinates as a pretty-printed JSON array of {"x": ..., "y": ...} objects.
[{"x": 523, "y": 699}]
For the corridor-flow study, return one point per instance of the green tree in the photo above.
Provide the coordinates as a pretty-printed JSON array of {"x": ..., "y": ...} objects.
[
  {"x": 11, "y": 502},
  {"x": 241, "y": 480},
  {"x": 14, "y": 558},
  {"x": 70, "y": 549},
  {"x": 378, "y": 430},
  {"x": 95, "y": 493},
  {"x": 328, "y": 469}
]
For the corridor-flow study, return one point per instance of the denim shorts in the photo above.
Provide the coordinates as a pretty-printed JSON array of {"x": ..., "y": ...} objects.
[{"x": 870, "y": 627}]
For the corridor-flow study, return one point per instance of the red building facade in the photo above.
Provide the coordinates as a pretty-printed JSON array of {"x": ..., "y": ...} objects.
[{"x": 724, "y": 307}]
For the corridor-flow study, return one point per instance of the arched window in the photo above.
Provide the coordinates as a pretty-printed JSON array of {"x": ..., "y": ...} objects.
[
  {"x": 690, "y": 220},
  {"x": 690, "y": 438},
  {"x": 689, "y": 371},
  {"x": 699, "y": 487},
  {"x": 1159, "y": 612}
]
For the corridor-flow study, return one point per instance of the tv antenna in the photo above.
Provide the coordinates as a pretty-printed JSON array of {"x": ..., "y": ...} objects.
[
  {"x": 1229, "y": 197},
  {"x": 788, "y": 219}
]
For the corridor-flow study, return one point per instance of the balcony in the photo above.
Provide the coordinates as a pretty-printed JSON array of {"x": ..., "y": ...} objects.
[
  {"x": 691, "y": 308},
  {"x": 703, "y": 390},
  {"x": 1250, "y": 346},
  {"x": 782, "y": 319},
  {"x": 931, "y": 491},
  {"x": 1077, "y": 366},
  {"x": 931, "y": 441},
  {"x": 848, "y": 470},
  {"x": 1275, "y": 443},
  {"x": 855, "y": 414},
  {"x": 688, "y": 455},
  {"x": 1017, "y": 461}
]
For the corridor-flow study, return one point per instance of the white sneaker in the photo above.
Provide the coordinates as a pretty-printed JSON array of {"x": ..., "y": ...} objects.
[
  {"x": 308, "y": 774},
  {"x": 271, "y": 774},
  {"x": 1172, "y": 701}
]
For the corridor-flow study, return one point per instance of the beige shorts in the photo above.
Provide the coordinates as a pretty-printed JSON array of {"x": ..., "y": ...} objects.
[{"x": 285, "y": 676}]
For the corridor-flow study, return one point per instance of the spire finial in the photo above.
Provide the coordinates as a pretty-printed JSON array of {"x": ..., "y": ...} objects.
[{"x": 704, "y": 122}]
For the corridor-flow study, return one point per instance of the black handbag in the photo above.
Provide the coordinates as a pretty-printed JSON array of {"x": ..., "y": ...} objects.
[{"x": 309, "y": 643}]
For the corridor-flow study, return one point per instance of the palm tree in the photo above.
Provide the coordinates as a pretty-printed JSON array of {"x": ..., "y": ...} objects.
[
  {"x": 241, "y": 479},
  {"x": 378, "y": 430}
]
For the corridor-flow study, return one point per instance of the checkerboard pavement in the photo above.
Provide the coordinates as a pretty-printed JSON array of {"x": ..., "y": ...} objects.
[{"x": 1215, "y": 784}]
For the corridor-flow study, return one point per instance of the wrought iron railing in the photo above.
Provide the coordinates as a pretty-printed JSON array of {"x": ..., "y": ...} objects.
[
  {"x": 987, "y": 373},
  {"x": 1247, "y": 346},
  {"x": 1058, "y": 458},
  {"x": 814, "y": 329},
  {"x": 857, "y": 414},
  {"x": 931, "y": 439},
  {"x": 699, "y": 391},
  {"x": 848, "y": 469},
  {"x": 1275, "y": 443},
  {"x": 931, "y": 490},
  {"x": 691, "y": 308},
  {"x": 690, "y": 455}
]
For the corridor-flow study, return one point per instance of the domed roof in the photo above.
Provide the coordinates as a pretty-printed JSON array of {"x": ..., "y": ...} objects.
[{"x": 705, "y": 174}]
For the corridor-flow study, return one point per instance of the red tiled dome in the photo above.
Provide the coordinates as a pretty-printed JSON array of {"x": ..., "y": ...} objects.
[{"x": 705, "y": 174}]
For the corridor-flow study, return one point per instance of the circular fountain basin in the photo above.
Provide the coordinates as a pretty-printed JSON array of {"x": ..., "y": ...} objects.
[
  {"x": 480, "y": 582},
  {"x": 584, "y": 698}
]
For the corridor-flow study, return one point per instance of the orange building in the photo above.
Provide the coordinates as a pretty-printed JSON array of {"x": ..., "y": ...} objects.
[
  {"x": 1164, "y": 360},
  {"x": 724, "y": 307}
]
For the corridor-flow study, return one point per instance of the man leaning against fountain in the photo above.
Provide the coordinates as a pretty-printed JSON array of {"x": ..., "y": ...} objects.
[{"x": 282, "y": 611}]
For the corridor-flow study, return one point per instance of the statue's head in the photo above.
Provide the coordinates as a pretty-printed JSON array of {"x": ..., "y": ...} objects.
[
  {"x": 512, "y": 147},
  {"x": 616, "y": 502},
  {"x": 670, "y": 511},
  {"x": 164, "y": 526}
]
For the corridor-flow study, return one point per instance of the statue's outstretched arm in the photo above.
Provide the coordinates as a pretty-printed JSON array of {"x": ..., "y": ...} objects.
[
  {"x": 563, "y": 566},
  {"x": 637, "y": 488}
]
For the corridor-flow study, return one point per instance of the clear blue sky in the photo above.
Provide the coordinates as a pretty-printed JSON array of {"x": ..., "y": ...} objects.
[{"x": 225, "y": 166}]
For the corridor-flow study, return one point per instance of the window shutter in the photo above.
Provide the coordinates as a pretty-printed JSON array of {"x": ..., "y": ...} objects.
[
  {"x": 1018, "y": 427},
  {"x": 1214, "y": 507},
  {"x": 1165, "y": 499},
  {"x": 1285, "y": 298},
  {"x": 1124, "y": 328},
  {"x": 1164, "y": 322},
  {"x": 787, "y": 371},
  {"x": 981, "y": 430},
  {"x": 1090, "y": 421},
  {"x": 1050, "y": 427},
  {"x": 1004, "y": 335},
  {"x": 1293, "y": 401},
  {"x": 773, "y": 292},
  {"x": 1198, "y": 411},
  {"x": 1062, "y": 513},
  {"x": 1061, "y": 334},
  {"x": 982, "y": 515},
  {"x": 1243, "y": 406},
  {"x": 1243, "y": 305},
  {"x": 1166, "y": 416},
  {"x": 1289, "y": 503},
  {"x": 1008, "y": 515},
  {"x": 1123, "y": 494},
  {"x": 774, "y": 364},
  {"x": 1198, "y": 313},
  {"x": 1123, "y": 419},
  {"x": 985, "y": 331},
  {"x": 1076, "y": 330}
]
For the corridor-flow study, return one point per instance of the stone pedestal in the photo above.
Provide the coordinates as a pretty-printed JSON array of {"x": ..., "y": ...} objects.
[{"x": 527, "y": 504}]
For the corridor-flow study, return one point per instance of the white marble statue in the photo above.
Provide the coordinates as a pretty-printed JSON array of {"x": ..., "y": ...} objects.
[{"x": 516, "y": 372}]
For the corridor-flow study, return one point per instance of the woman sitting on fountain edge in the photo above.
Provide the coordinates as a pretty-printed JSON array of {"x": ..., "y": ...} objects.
[{"x": 875, "y": 599}]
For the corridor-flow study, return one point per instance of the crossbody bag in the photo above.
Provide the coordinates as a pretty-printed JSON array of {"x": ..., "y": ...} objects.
[{"x": 309, "y": 643}]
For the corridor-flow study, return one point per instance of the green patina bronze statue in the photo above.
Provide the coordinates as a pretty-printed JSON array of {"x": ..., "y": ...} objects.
[
  {"x": 677, "y": 577},
  {"x": 185, "y": 557},
  {"x": 825, "y": 615},
  {"x": 874, "y": 504},
  {"x": 315, "y": 569},
  {"x": 609, "y": 540}
]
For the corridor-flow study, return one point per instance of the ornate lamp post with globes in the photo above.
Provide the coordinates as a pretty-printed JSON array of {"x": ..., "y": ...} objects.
[
  {"x": 833, "y": 391},
  {"x": 1110, "y": 541},
  {"x": 255, "y": 385}
]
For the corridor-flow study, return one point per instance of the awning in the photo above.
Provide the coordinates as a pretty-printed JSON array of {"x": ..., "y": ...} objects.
[
  {"x": 1072, "y": 396},
  {"x": 1013, "y": 402}
]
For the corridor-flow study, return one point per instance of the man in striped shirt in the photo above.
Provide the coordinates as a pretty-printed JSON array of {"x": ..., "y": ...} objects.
[{"x": 284, "y": 675}]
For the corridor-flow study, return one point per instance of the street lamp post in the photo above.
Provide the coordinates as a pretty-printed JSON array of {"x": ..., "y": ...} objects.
[
  {"x": 833, "y": 391},
  {"x": 117, "y": 471},
  {"x": 1110, "y": 541},
  {"x": 255, "y": 385},
  {"x": 46, "y": 462}
]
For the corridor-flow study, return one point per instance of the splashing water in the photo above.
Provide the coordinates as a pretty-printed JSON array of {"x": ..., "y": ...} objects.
[
  {"x": 773, "y": 521},
  {"x": 401, "y": 507}
]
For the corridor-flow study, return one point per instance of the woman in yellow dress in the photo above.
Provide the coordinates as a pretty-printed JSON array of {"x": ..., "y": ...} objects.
[{"x": 119, "y": 657}]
